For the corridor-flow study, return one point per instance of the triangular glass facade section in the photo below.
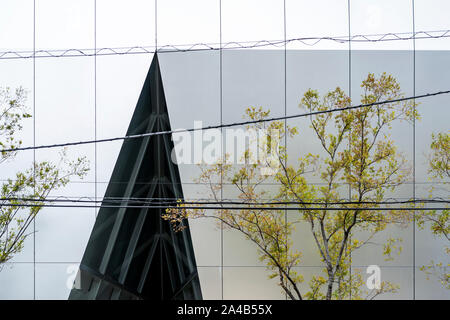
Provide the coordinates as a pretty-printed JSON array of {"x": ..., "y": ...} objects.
[{"x": 133, "y": 253}]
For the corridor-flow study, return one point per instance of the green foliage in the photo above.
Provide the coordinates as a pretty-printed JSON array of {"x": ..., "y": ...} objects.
[
  {"x": 358, "y": 153},
  {"x": 439, "y": 162},
  {"x": 35, "y": 183},
  {"x": 438, "y": 220},
  {"x": 438, "y": 270},
  {"x": 12, "y": 112}
]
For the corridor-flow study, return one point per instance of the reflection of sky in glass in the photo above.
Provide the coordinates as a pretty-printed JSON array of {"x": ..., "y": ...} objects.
[{"x": 66, "y": 90}]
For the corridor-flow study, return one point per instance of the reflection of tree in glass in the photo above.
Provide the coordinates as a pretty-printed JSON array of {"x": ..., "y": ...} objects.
[
  {"x": 358, "y": 153},
  {"x": 438, "y": 221},
  {"x": 35, "y": 182}
]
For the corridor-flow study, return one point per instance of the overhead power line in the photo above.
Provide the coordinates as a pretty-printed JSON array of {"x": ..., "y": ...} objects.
[
  {"x": 150, "y": 134},
  {"x": 170, "y": 201},
  {"x": 307, "y": 41},
  {"x": 225, "y": 208}
]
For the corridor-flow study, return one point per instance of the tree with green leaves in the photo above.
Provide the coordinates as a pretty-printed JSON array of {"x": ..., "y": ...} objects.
[
  {"x": 23, "y": 196},
  {"x": 358, "y": 157},
  {"x": 438, "y": 220}
]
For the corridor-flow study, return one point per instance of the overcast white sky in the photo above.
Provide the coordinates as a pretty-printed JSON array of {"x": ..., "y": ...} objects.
[{"x": 66, "y": 93}]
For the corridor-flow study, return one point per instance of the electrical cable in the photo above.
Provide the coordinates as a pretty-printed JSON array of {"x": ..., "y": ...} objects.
[
  {"x": 224, "y": 208},
  {"x": 232, "y": 45},
  {"x": 231, "y": 202},
  {"x": 150, "y": 134}
]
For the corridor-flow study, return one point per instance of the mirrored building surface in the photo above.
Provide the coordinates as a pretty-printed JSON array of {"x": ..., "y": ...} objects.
[{"x": 132, "y": 252}]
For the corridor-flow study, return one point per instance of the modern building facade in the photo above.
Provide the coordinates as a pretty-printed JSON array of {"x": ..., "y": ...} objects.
[
  {"x": 85, "y": 88},
  {"x": 132, "y": 252}
]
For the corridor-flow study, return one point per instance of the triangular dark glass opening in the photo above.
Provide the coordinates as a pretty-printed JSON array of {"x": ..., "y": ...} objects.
[{"x": 133, "y": 253}]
